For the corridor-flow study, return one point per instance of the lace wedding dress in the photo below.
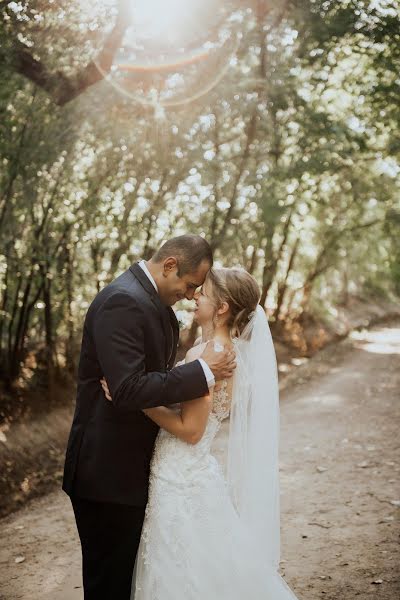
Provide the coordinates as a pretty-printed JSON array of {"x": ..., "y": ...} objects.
[{"x": 194, "y": 546}]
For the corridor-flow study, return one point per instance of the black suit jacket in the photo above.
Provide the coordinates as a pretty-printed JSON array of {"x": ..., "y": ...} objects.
[{"x": 130, "y": 338}]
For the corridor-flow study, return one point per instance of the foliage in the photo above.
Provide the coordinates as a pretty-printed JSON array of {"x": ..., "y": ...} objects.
[{"x": 288, "y": 165}]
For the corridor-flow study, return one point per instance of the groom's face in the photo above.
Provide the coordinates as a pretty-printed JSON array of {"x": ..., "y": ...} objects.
[{"x": 175, "y": 288}]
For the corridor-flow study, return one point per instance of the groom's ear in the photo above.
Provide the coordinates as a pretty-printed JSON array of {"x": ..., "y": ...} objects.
[{"x": 170, "y": 264}]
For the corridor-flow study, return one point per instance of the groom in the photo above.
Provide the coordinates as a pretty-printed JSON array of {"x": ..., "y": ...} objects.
[{"x": 130, "y": 337}]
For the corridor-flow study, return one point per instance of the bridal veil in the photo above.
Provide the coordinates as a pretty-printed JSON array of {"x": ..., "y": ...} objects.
[{"x": 253, "y": 440}]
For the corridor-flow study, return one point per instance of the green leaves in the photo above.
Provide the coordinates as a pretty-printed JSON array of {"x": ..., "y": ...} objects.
[{"x": 288, "y": 165}]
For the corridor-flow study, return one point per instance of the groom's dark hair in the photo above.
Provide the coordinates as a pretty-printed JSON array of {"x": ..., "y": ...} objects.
[{"x": 189, "y": 250}]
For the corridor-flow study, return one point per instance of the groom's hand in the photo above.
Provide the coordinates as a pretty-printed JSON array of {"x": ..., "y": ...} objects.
[
  {"x": 105, "y": 389},
  {"x": 222, "y": 363}
]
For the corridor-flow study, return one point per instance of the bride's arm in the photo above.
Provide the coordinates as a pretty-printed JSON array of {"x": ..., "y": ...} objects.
[{"x": 190, "y": 423}]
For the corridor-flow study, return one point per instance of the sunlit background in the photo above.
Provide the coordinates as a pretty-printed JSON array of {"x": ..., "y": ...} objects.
[{"x": 270, "y": 128}]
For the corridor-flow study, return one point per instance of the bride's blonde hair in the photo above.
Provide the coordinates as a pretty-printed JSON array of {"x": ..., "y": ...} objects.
[{"x": 240, "y": 290}]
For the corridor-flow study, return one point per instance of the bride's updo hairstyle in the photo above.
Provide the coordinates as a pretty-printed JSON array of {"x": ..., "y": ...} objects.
[{"x": 240, "y": 290}]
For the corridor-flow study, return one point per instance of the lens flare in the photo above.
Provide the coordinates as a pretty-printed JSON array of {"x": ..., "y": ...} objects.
[{"x": 173, "y": 51}]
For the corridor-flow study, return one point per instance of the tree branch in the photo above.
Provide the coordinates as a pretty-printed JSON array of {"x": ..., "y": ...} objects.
[{"x": 62, "y": 88}]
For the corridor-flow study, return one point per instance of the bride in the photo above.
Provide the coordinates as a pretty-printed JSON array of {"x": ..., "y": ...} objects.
[{"x": 211, "y": 529}]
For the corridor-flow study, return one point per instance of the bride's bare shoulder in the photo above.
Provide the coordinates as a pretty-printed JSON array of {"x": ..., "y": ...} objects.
[{"x": 195, "y": 352}]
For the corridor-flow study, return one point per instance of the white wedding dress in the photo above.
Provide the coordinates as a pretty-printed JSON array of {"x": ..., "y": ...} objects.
[
  {"x": 194, "y": 546},
  {"x": 212, "y": 526}
]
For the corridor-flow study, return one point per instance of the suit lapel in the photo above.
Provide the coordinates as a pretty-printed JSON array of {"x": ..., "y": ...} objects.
[
  {"x": 175, "y": 336},
  {"x": 162, "y": 309}
]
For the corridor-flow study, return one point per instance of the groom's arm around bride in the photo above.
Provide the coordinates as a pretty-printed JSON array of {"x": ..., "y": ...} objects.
[{"x": 120, "y": 337}]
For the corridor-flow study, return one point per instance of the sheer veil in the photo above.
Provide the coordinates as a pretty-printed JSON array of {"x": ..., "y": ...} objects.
[{"x": 253, "y": 440}]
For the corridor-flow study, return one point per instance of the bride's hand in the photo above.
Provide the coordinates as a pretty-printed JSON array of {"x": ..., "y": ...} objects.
[{"x": 105, "y": 388}]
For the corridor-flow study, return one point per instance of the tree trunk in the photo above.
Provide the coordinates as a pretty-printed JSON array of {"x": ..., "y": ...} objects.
[
  {"x": 49, "y": 338},
  {"x": 69, "y": 349},
  {"x": 282, "y": 287},
  {"x": 253, "y": 261},
  {"x": 4, "y": 302},
  {"x": 14, "y": 365}
]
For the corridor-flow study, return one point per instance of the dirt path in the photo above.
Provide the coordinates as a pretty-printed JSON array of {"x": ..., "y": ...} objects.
[{"x": 340, "y": 490}]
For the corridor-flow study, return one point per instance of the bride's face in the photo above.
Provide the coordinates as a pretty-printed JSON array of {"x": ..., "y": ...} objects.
[{"x": 205, "y": 305}]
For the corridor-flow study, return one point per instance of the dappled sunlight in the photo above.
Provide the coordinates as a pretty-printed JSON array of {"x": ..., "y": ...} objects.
[
  {"x": 384, "y": 341},
  {"x": 325, "y": 399}
]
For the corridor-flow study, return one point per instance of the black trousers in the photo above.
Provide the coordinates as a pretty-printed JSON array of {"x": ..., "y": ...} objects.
[{"x": 110, "y": 536}]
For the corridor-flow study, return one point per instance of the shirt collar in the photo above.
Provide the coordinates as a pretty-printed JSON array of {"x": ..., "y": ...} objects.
[{"x": 142, "y": 265}]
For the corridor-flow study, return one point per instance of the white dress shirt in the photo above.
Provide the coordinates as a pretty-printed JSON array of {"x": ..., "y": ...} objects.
[{"x": 207, "y": 371}]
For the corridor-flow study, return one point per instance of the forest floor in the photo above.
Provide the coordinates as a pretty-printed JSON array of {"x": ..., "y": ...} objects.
[{"x": 340, "y": 491}]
